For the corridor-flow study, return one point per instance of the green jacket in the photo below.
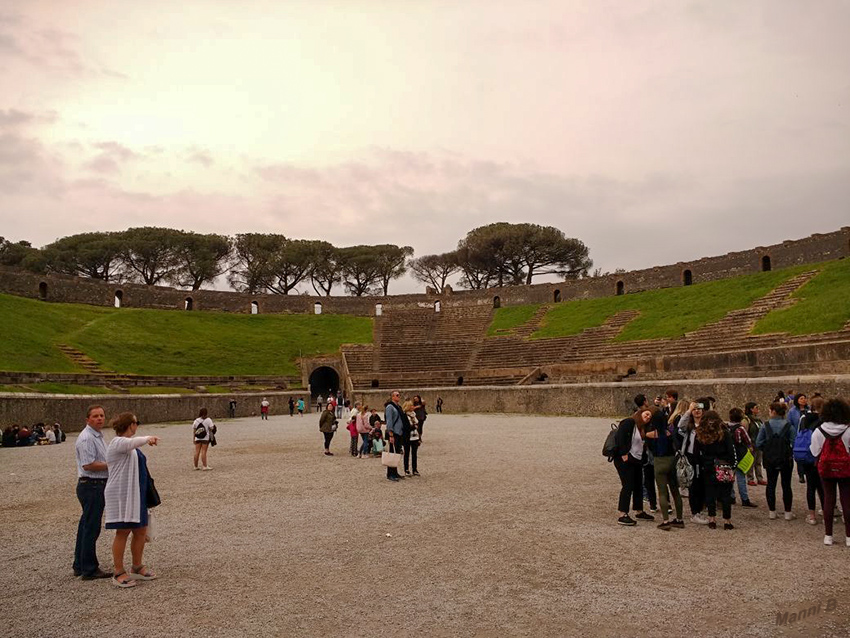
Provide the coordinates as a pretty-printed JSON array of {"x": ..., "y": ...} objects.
[{"x": 327, "y": 421}]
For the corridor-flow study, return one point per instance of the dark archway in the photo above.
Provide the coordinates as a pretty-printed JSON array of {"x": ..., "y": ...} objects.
[
  {"x": 497, "y": 303},
  {"x": 188, "y": 304},
  {"x": 765, "y": 263},
  {"x": 621, "y": 288},
  {"x": 42, "y": 290},
  {"x": 556, "y": 296},
  {"x": 324, "y": 380},
  {"x": 119, "y": 298},
  {"x": 687, "y": 278},
  {"x": 376, "y": 383},
  {"x": 460, "y": 381}
]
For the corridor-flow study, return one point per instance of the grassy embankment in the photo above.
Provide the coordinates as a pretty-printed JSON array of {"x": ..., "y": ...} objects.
[
  {"x": 823, "y": 304},
  {"x": 664, "y": 314},
  {"x": 166, "y": 342}
]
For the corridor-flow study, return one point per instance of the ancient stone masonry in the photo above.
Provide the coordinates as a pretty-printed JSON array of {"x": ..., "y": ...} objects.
[{"x": 813, "y": 249}]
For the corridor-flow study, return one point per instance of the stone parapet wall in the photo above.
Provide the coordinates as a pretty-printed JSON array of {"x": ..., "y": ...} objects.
[
  {"x": 813, "y": 249},
  {"x": 611, "y": 399},
  {"x": 70, "y": 410}
]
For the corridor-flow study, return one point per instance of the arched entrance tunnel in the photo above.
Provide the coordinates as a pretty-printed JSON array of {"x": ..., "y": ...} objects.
[{"x": 323, "y": 380}]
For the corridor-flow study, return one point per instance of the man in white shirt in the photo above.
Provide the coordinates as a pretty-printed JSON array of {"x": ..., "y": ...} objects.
[{"x": 92, "y": 473}]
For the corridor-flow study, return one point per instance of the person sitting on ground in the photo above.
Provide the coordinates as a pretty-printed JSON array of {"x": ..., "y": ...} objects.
[
  {"x": 776, "y": 440},
  {"x": 831, "y": 444},
  {"x": 810, "y": 422},
  {"x": 50, "y": 436},
  {"x": 628, "y": 462},
  {"x": 10, "y": 438},
  {"x": 715, "y": 446},
  {"x": 24, "y": 437},
  {"x": 743, "y": 444},
  {"x": 38, "y": 434},
  {"x": 58, "y": 433}
]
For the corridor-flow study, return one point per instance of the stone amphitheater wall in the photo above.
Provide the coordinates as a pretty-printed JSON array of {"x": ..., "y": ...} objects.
[
  {"x": 608, "y": 400},
  {"x": 58, "y": 288}
]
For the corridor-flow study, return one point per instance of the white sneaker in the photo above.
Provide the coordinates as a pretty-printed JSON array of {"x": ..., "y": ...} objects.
[
  {"x": 827, "y": 540},
  {"x": 699, "y": 519},
  {"x": 771, "y": 515},
  {"x": 811, "y": 520},
  {"x": 790, "y": 516},
  {"x": 196, "y": 468},
  {"x": 820, "y": 512},
  {"x": 207, "y": 467},
  {"x": 654, "y": 511},
  {"x": 847, "y": 541}
]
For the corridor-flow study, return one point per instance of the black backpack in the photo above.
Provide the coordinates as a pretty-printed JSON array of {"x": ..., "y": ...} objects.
[
  {"x": 777, "y": 450},
  {"x": 609, "y": 449}
]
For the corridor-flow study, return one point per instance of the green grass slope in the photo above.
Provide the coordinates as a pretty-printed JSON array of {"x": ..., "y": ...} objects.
[
  {"x": 823, "y": 304},
  {"x": 510, "y": 317},
  {"x": 667, "y": 313},
  {"x": 167, "y": 342},
  {"x": 31, "y": 331}
]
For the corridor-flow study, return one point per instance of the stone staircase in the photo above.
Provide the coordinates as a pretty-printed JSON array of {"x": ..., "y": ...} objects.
[
  {"x": 82, "y": 360},
  {"x": 532, "y": 325}
]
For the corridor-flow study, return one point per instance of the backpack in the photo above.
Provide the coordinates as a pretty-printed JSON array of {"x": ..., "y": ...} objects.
[
  {"x": 834, "y": 461},
  {"x": 609, "y": 448},
  {"x": 200, "y": 431},
  {"x": 802, "y": 442},
  {"x": 684, "y": 470},
  {"x": 741, "y": 448},
  {"x": 776, "y": 451}
]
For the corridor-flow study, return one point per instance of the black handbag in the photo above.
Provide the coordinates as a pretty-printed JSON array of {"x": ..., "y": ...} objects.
[{"x": 152, "y": 497}]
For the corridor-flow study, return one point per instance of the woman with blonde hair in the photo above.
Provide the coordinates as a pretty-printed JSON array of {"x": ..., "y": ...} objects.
[
  {"x": 126, "y": 498},
  {"x": 716, "y": 451},
  {"x": 678, "y": 413}
]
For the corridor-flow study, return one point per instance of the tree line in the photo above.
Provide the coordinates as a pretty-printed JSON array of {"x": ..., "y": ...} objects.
[{"x": 493, "y": 255}]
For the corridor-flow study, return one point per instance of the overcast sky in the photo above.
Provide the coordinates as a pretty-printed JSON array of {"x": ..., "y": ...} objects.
[{"x": 653, "y": 131}]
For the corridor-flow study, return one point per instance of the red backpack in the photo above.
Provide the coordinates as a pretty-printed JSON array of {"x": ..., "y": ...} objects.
[{"x": 834, "y": 461}]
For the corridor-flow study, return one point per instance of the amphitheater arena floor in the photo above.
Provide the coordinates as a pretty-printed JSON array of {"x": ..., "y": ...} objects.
[{"x": 509, "y": 532}]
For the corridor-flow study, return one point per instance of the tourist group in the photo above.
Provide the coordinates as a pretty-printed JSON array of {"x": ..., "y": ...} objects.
[{"x": 675, "y": 445}]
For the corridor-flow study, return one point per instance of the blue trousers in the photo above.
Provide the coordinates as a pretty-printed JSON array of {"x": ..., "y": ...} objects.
[
  {"x": 741, "y": 480},
  {"x": 92, "y": 501}
]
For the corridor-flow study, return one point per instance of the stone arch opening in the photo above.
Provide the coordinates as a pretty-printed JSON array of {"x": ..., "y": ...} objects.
[
  {"x": 556, "y": 296},
  {"x": 188, "y": 303},
  {"x": 255, "y": 308},
  {"x": 376, "y": 383},
  {"x": 119, "y": 298},
  {"x": 324, "y": 380},
  {"x": 687, "y": 278},
  {"x": 621, "y": 288},
  {"x": 765, "y": 263},
  {"x": 497, "y": 302},
  {"x": 317, "y": 308},
  {"x": 42, "y": 290},
  {"x": 379, "y": 310},
  {"x": 460, "y": 380},
  {"x": 437, "y": 306}
]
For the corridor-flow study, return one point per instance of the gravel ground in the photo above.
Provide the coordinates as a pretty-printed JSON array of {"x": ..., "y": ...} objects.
[{"x": 510, "y": 531}]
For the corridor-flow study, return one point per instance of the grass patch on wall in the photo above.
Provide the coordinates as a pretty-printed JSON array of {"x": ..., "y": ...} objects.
[
  {"x": 664, "y": 314},
  {"x": 510, "y": 317},
  {"x": 823, "y": 304}
]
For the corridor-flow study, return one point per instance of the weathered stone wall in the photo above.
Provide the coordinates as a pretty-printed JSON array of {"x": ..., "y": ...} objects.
[
  {"x": 70, "y": 410},
  {"x": 586, "y": 399},
  {"x": 610, "y": 399},
  {"x": 813, "y": 249}
]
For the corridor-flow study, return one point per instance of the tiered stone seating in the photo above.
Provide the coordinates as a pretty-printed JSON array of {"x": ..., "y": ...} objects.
[{"x": 417, "y": 348}]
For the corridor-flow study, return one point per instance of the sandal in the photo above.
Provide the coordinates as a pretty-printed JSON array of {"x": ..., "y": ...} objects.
[
  {"x": 141, "y": 573},
  {"x": 123, "y": 583}
]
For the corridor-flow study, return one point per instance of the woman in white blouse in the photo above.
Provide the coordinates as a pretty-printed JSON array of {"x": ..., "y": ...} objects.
[
  {"x": 203, "y": 430},
  {"x": 125, "y": 496}
]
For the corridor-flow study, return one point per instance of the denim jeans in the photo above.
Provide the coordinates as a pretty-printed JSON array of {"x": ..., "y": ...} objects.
[
  {"x": 741, "y": 479},
  {"x": 366, "y": 445},
  {"x": 774, "y": 474},
  {"x": 91, "y": 499}
]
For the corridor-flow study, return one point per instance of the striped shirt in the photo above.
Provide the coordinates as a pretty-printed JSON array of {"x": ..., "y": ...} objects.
[{"x": 90, "y": 448}]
